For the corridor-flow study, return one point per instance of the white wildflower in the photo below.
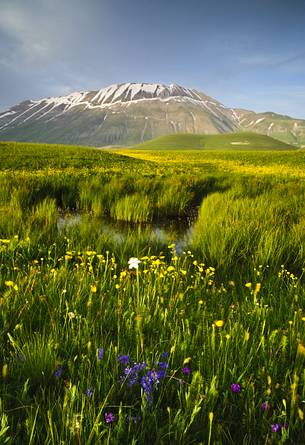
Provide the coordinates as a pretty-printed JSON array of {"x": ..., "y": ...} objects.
[{"x": 134, "y": 263}]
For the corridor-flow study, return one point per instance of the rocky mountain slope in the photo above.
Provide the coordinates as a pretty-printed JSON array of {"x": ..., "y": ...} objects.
[{"x": 131, "y": 113}]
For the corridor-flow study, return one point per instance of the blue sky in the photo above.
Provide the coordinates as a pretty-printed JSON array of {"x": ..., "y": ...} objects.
[{"x": 248, "y": 54}]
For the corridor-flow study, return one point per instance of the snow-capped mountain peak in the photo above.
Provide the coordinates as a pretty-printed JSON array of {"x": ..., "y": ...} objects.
[{"x": 129, "y": 113}]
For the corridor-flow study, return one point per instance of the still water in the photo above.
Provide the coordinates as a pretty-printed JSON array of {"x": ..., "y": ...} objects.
[{"x": 177, "y": 231}]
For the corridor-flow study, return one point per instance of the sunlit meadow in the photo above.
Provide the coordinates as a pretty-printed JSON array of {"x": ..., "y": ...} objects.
[{"x": 114, "y": 334}]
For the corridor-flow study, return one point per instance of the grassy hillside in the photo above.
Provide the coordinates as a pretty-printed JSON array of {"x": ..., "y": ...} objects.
[
  {"x": 35, "y": 156},
  {"x": 231, "y": 141}
]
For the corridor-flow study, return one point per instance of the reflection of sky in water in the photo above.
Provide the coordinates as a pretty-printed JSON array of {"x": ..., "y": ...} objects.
[{"x": 178, "y": 232}]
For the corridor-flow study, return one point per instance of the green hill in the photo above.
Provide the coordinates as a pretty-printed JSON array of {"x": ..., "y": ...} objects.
[{"x": 231, "y": 141}]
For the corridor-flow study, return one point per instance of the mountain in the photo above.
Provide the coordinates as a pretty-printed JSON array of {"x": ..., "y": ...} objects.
[
  {"x": 131, "y": 113},
  {"x": 280, "y": 127}
]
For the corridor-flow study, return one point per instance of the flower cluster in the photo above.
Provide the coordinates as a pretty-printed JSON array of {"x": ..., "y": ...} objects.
[
  {"x": 100, "y": 354},
  {"x": 151, "y": 379},
  {"x": 109, "y": 417},
  {"x": 123, "y": 359},
  {"x": 277, "y": 427},
  {"x": 235, "y": 387},
  {"x": 133, "y": 375}
]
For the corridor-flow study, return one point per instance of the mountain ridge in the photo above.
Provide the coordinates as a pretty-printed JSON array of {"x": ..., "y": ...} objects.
[{"x": 130, "y": 113}]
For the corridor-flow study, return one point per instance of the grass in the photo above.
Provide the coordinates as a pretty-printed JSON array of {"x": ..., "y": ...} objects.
[
  {"x": 226, "y": 309},
  {"x": 230, "y": 141}
]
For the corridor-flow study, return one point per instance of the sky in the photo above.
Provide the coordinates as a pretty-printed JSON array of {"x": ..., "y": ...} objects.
[{"x": 245, "y": 53}]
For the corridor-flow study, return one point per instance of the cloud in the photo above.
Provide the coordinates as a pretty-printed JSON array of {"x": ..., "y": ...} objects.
[
  {"x": 25, "y": 35},
  {"x": 43, "y": 31}
]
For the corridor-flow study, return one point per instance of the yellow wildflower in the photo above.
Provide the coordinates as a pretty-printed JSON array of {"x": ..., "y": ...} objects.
[{"x": 9, "y": 283}]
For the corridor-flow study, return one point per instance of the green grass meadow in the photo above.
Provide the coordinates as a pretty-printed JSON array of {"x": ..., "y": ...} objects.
[{"x": 114, "y": 334}]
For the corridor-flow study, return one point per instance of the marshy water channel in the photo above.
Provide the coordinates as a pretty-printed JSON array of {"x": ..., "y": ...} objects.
[{"x": 160, "y": 233}]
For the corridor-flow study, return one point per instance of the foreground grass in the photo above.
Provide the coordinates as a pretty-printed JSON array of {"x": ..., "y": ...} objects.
[
  {"x": 93, "y": 351},
  {"x": 194, "y": 338}
]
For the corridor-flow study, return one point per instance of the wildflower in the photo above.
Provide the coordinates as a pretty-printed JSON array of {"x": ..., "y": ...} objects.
[
  {"x": 164, "y": 355},
  {"x": 276, "y": 427},
  {"x": 89, "y": 392},
  {"x": 100, "y": 353},
  {"x": 58, "y": 372},
  {"x": 150, "y": 381},
  {"x": 5, "y": 371},
  {"x": 123, "y": 359},
  {"x": 219, "y": 323},
  {"x": 186, "y": 370},
  {"x": 77, "y": 420},
  {"x": 248, "y": 285},
  {"x": 235, "y": 387},
  {"x": 265, "y": 406},
  {"x": 9, "y": 283},
  {"x": 133, "y": 263},
  {"x": 93, "y": 288},
  {"x": 109, "y": 417},
  {"x": 257, "y": 288},
  {"x": 5, "y": 241},
  {"x": 131, "y": 374}
]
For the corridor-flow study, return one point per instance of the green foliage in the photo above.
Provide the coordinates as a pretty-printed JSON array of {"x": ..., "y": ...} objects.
[
  {"x": 132, "y": 208},
  {"x": 228, "y": 141},
  {"x": 66, "y": 290}
]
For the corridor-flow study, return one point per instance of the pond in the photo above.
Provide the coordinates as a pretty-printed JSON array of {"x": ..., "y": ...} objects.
[{"x": 177, "y": 231}]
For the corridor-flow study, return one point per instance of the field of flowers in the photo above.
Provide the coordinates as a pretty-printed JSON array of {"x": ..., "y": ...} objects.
[{"x": 141, "y": 341}]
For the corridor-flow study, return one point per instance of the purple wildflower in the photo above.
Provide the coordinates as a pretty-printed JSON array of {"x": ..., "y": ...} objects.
[
  {"x": 235, "y": 387},
  {"x": 123, "y": 359},
  {"x": 161, "y": 374},
  {"x": 109, "y": 417},
  {"x": 265, "y": 406},
  {"x": 131, "y": 374},
  {"x": 186, "y": 370},
  {"x": 163, "y": 365},
  {"x": 165, "y": 355},
  {"x": 150, "y": 381},
  {"x": 58, "y": 372},
  {"x": 276, "y": 427},
  {"x": 89, "y": 392},
  {"x": 100, "y": 354}
]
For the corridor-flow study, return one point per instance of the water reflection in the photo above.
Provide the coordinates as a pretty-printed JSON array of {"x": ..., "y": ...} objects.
[{"x": 177, "y": 231}]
